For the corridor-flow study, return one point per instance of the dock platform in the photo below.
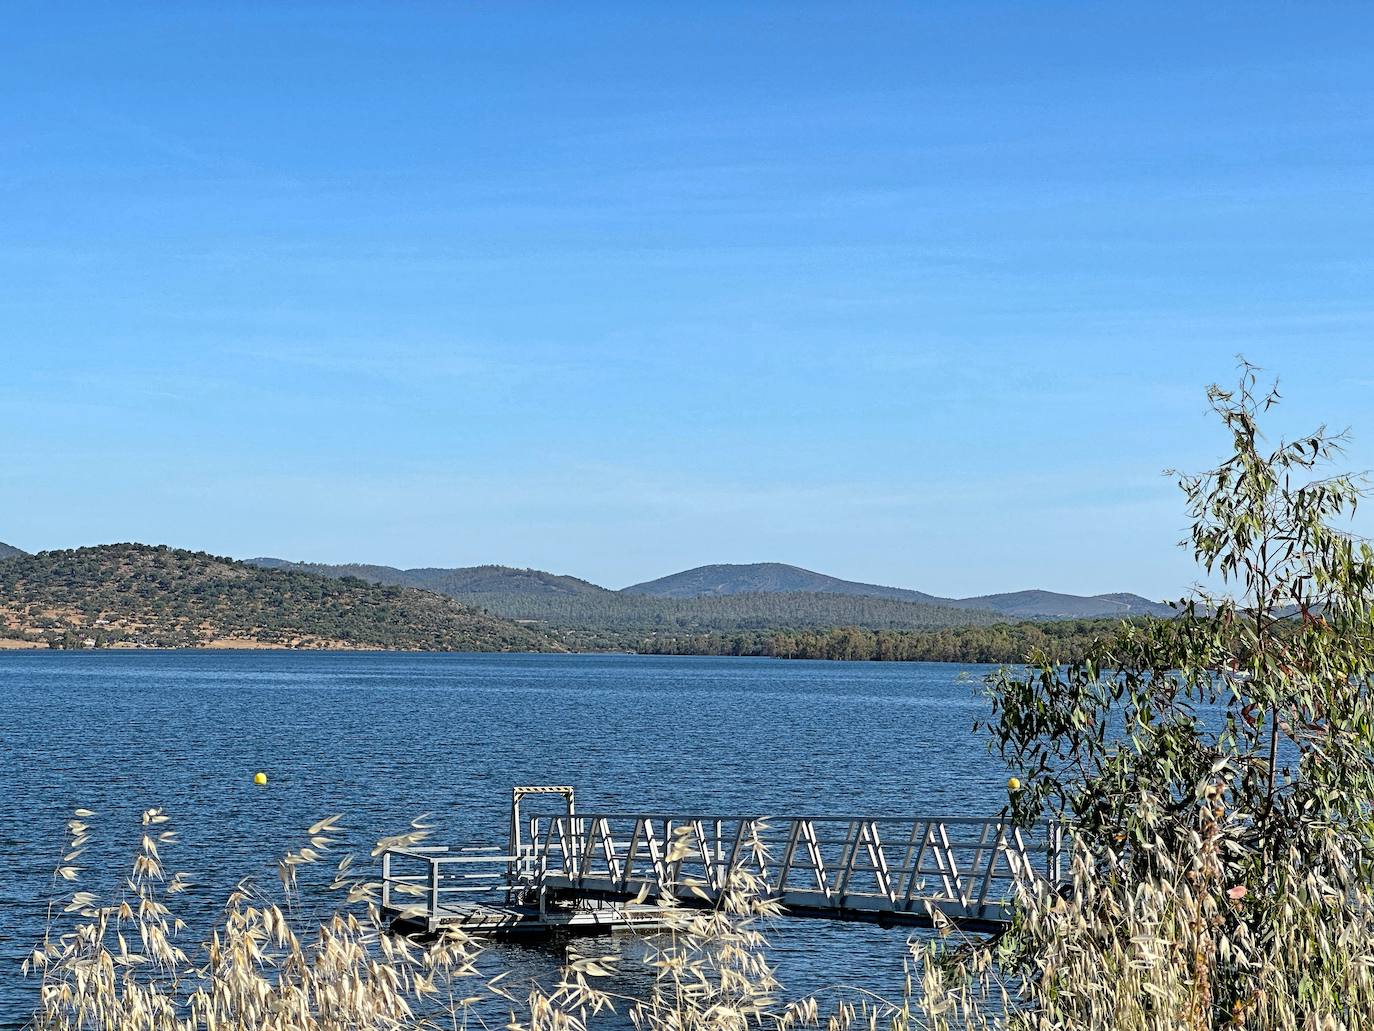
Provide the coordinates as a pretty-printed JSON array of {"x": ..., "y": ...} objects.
[{"x": 576, "y": 873}]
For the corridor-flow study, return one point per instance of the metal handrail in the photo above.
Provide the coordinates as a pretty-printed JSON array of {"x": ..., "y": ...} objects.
[
  {"x": 966, "y": 868},
  {"x": 584, "y": 851},
  {"x": 444, "y": 863}
]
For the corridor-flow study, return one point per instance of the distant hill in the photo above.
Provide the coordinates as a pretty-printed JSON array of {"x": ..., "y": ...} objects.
[
  {"x": 767, "y": 578},
  {"x": 1049, "y": 605},
  {"x": 454, "y": 582},
  {"x": 725, "y": 598},
  {"x": 774, "y": 577},
  {"x": 132, "y": 594},
  {"x": 144, "y": 595},
  {"x": 504, "y": 580},
  {"x": 576, "y": 609},
  {"x": 9, "y": 551}
]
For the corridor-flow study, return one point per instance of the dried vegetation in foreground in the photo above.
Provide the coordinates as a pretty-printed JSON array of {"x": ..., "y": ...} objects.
[{"x": 1108, "y": 955}]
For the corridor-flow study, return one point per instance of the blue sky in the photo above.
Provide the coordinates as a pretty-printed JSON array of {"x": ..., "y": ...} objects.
[{"x": 917, "y": 294}]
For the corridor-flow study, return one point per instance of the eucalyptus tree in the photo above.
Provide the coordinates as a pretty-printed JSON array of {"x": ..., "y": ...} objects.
[{"x": 1216, "y": 768}]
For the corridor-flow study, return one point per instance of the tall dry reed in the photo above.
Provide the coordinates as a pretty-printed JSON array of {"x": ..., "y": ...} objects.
[{"x": 1107, "y": 954}]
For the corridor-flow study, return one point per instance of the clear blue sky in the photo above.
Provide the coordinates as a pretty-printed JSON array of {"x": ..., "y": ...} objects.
[{"x": 918, "y": 294}]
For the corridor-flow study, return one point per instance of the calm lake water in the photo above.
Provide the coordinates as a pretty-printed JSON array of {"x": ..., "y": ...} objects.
[{"x": 382, "y": 738}]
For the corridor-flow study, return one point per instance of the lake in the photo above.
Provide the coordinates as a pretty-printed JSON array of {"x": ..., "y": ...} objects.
[{"x": 384, "y": 737}]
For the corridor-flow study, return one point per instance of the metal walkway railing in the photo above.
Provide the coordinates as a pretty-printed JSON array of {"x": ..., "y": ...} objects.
[
  {"x": 874, "y": 868},
  {"x": 577, "y": 868}
]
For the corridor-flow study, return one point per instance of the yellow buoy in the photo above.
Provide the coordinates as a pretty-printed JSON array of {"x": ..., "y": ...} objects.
[
  {"x": 1013, "y": 784},
  {"x": 259, "y": 779}
]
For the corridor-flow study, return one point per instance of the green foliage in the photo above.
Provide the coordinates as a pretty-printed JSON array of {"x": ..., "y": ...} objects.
[
  {"x": 459, "y": 583},
  {"x": 1223, "y": 759},
  {"x": 1001, "y": 642},
  {"x": 166, "y": 597},
  {"x": 765, "y": 611}
]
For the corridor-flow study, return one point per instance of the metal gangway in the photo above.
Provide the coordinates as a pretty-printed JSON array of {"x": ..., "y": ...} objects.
[{"x": 600, "y": 871}]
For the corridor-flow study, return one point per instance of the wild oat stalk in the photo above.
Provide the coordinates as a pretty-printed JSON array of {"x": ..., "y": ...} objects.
[
  {"x": 711, "y": 966},
  {"x": 117, "y": 966}
]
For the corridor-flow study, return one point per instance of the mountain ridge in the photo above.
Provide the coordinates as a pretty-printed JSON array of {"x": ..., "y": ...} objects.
[
  {"x": 730, "y": 578},
  {"x": 457, "y": 579},
  {"x": 155, "y": 596},
  {"x": 495, "y": 586},
  {"x": 765, "y": 578},
  {"x": 579, "y": 608}
]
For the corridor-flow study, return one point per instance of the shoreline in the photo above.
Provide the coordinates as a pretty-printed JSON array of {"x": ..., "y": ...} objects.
[{"x": 29, "y": 647}]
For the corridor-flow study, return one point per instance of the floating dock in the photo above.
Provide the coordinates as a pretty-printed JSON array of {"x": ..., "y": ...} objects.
[{"x": 568, "y": 872}]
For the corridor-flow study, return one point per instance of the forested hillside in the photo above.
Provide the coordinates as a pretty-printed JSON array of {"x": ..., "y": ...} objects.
[
  {"x": 134, "y": 594},
  {"x": 565, "y": 604},
  {"x": 1052, "y": 605},
  {"x": 728, "y": 598},
  {"x": 774, "y": 577},
  {"x": 766, "y": 578},
  {"x": 9, "y": 551},
  {"x": 458, "y": 582}
]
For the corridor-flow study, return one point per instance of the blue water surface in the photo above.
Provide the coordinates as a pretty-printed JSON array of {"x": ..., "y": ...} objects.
[{"x": 384, "y": 737}]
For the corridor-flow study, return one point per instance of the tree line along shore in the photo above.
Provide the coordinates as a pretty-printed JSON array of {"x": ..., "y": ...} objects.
[
  {"x": 1063, "y": 641},
  {"x": 131, "y": 596}
]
